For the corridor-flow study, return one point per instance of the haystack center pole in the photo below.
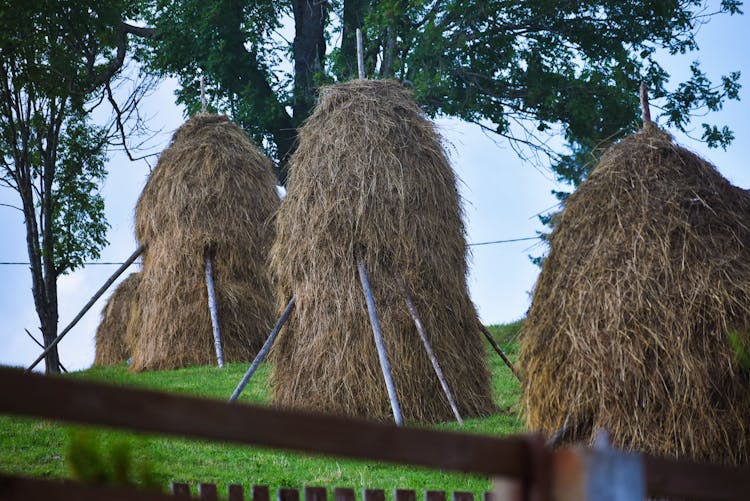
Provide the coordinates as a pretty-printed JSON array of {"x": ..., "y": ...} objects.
[
  {"x": 428, "y": 349},
  {"x": 645, "y": 109},
  {"x": 91, "y": 302},
  {"x": 500, "y": 351},
  {"x": 360, "y": 54},
  {"x": 264, "y": 350},
  {"x": 214, "y": 310},
  {"x": 384, "y": 366},
  {"x": 203, "y": 95}
]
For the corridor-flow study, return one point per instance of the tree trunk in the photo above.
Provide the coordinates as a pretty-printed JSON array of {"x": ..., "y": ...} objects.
[{"x": 309, "y": 53}]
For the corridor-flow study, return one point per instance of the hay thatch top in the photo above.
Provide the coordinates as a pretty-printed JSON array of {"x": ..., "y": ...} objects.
[
  {"x": 370, "y": 179},
  {"x": 647, "y": 277},
  {"x": 209, "y": 162}
]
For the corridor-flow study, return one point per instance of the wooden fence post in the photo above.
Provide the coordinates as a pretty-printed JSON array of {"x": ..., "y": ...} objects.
[{"x": 597, "y": 473}]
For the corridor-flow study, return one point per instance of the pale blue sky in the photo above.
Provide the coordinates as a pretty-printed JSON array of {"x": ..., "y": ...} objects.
[{"x": 502, "y": 195}]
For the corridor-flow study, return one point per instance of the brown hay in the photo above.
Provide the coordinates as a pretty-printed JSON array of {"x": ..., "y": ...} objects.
[
  {"x": 370, "y": 179},
  {"x": 647, "y": 274},
  {"x": 211, "y": 192},
  {"x": 111, "y": 346}
]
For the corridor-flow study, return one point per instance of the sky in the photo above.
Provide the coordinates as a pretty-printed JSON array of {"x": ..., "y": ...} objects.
[{"x": 502, "y": 197}]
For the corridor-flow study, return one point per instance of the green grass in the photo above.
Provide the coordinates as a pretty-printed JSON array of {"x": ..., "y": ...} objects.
[{"x": 39, "y": 448}]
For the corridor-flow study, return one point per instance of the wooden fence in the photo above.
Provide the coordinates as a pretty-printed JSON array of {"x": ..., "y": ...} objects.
[{"x": 522, "y": 466}]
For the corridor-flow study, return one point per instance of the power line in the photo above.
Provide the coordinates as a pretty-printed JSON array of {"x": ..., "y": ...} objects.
[
  {"x": 95, "y": 263},
  {"x": 118, "y": 263},
  {"x": 493, "y": 242}
]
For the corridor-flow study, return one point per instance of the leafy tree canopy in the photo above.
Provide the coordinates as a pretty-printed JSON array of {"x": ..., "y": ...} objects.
[{"x": 523, "y": 69}]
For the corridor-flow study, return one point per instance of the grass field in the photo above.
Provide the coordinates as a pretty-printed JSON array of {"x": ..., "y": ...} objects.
[{"x": 41, "y": 448}]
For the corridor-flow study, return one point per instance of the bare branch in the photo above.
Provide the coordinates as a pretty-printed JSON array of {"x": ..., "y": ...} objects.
[{"x": 12, "y": 207}]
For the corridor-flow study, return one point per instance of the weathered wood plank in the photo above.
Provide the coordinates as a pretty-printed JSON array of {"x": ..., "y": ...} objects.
[
  {"x": 343, "y": 494},
  {"x": 315, "y": 494},
  {"x": 463, "y": 496},
  {"x": 208, "y": 492},
  {"x": 434, "y": 496},
  {"x": 287, "y": 494},
  {"x": 404, "y": 495},
  {"x": 181, "y": 489},
  {"x": 261, "y": 493},
  {"x": 25, "y": 489},
  {"x": 373, "y": 495},
  {"x": 236, "y": 493},
  {"x": 89, "y": 402}
]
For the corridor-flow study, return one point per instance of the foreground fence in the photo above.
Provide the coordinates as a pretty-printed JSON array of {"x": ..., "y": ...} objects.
[{"x": 523, "y": 468}]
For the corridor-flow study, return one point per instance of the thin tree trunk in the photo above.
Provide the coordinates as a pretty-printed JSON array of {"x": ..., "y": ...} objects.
[{"x": 309, "y": 53}]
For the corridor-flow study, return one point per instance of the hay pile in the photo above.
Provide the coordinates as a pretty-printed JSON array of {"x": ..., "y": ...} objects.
[
  {"x": 370, "y": 180},
  {"x": 212, "y": 192},
  {"x": 647, "y": 277},
  {"x": 111, "y": 345}
]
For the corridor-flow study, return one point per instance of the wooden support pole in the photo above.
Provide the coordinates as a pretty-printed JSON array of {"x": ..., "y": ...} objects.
[
  {"x": 264, "y": 350},
  {"x": 91, "y": 302},
  {"x": 500, "y": 351},
  {"x": 360, "y": 54},
  {"x": 214, "y": 311},
  {"x": 428, "y": 349},
  {"x": 59, "y": 364},
  {"x": 382, "y": 355}
]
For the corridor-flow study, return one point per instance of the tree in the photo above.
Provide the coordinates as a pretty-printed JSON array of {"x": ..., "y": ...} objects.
[
  {"x": 523, "y": 70},
  {"x": 58, "y": 62}
]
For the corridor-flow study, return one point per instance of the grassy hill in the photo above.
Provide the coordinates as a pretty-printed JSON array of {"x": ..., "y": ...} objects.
[{"x": 41, "y": 448}]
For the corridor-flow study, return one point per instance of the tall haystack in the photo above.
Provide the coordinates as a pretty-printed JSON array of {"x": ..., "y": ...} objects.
[
  {"x": 111, "y": 345},
  {"x": 646, "y": 282},
  {"x": 370, "y": 181},
  {"x": 213, "y": 194}
]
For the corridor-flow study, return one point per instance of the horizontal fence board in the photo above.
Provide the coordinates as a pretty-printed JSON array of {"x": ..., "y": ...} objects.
[
  {"x": 150, "y": 411},
  {"x": 25, "y": 489},
  {"x": 682, "y": 479}
]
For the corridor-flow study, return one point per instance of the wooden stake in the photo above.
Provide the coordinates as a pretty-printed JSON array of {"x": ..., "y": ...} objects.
[
  {"x": 264, "y": 350},
  {"x": 382, "y": 355},
  {"x": 645, "y": 109},
  {"x": 91, "y": 302},
  {"x": 360, "y": 54},
  {"x": 428, "y": 349},
  {"x": 59, "y": 364},
  {"x": 500, "y": 351},
  {"x": 214, "y": 311}
]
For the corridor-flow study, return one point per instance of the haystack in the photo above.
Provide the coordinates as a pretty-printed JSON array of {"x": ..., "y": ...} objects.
[
  {"x": 111, "y": 345},
  {"x": 370, "y": 181},
  {"x": 647, "y": 279},
  {"x": 213, "y": 194}
]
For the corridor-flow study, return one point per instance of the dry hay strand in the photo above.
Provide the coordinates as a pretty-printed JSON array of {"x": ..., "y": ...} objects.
[
  {"x": 211, "y": 193},
  {"x": 370, "y": 180},
  {"x": 647, "y": 278},
  {"x": 111, "y": 345}
]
